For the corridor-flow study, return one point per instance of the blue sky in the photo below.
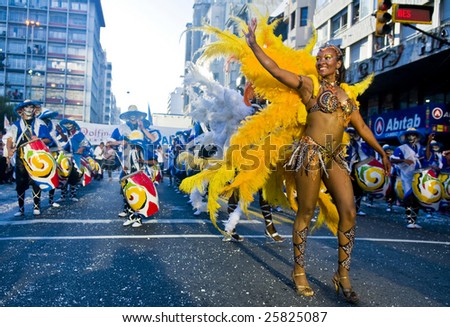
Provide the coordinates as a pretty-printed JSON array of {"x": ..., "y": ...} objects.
[{"x": 142, "y": 40}]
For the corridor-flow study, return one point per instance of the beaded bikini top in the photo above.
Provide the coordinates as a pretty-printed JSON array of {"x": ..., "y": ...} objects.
[{"x": 328, "y": 102}]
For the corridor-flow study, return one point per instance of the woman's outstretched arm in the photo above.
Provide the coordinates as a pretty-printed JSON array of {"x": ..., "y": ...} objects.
[{"x": 286, "y": 77}]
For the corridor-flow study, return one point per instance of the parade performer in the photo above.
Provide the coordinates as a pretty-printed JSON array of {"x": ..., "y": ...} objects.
[
  {"x": 134, "y": 121},
  {"x": 357, "y": 151},
  {"x": 408, "y": 157},
  {"x": 138, "y": 160},
  {"x": 56, "y": 133},
  {"x": 79, "y": 146},
  {"x": 308, "y": 104},
  {"x": 27, "y": 129}
]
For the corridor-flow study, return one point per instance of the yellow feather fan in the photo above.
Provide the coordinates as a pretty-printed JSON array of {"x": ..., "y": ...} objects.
[{"x": 262, "y": 144}]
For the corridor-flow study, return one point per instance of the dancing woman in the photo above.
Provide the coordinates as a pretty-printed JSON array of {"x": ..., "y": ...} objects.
[{"x": 318, "y": 156}]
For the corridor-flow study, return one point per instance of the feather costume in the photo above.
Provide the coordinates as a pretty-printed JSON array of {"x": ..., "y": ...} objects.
[{"x": 250, "y": 164}]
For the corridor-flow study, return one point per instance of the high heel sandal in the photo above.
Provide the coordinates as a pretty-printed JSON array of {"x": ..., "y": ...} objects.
[
  {"x": 349, "y": 295},
  {"x": 303, "y": 290},
  {"x": 274, "y": 236}
]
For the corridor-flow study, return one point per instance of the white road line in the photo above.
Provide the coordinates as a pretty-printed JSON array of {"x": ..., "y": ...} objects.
[
  {"x": 109, "y": 221},
  {"x": 175, "y": 236}
]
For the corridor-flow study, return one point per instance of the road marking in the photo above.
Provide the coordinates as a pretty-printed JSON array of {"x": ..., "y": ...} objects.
[
  {"x": 109, "y": 221},
  {"x": 175, "y": 236}
]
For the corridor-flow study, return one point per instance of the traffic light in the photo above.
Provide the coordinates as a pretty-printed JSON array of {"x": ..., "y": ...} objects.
[{"x": 383, "y": 18}]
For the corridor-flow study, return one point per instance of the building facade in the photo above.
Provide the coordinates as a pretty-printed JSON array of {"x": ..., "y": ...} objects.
[{"x": 53, "y": 54}]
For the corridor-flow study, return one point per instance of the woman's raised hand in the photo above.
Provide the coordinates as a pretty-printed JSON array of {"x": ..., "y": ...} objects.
[{"x": 250, "y": 35}]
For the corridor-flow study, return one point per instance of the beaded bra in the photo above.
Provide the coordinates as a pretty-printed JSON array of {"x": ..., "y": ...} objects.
[{"x": 328, "y": 102}]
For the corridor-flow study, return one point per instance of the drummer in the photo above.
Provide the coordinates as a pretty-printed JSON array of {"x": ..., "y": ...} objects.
[
  {"x": 46, "y": 116},
  {"x": 135, "y": 120},
  {"x": 24, "y": 130},
  {"x": 138, "y": 160},
  {"x": 407, "y": 158},
  {"x": 79, "y": 146},
  {"x": 433, "y": 155},
  {"x": 358, "y": 150}
]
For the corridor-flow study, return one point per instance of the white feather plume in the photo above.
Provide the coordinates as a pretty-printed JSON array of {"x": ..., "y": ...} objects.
[{"x": 220, "y": 108}]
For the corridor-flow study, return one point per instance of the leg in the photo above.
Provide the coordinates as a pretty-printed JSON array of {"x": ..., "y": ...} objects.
[
  {"x": 339, "y": 185},
  {"x": 308, "y": 187},
  {"x": 358, "y": 193},
  {"x": 266, "y": 211},
  {"x": 36, "y": 200},
  {"x": 234, "y": 214}
]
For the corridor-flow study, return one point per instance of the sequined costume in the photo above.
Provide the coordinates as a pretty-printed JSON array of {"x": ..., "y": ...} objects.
[{"x": 309, "y": 156}]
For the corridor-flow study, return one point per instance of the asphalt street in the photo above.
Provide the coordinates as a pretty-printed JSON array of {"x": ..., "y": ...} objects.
[{"x": 80, "y": 255}]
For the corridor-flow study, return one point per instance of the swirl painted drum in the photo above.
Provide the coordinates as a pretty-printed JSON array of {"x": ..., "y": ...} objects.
[
  {"x": 40, "y": 164},
  {"x": 427, "y": 188},
  {"x": 86, "y": 178},
  {"x": 65, "y": 165},
  {"x": 140, "y": 193},
  {"x": 444, "y": 177},
  {"x": 371, "y": 177}
]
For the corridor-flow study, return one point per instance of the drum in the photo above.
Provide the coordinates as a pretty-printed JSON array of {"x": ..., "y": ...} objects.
[
  {"x": 427, "y": 188},
  {"x": 398, "y": 188},
  {"x": 371, "y": 177},
  {"x": 444, "y": 177},
  {"x": 140, "y": 193},
  {"x": 86, "y": 178},
  {"x": 64, "y": 161},
  {"x": 40, "y": 164}
]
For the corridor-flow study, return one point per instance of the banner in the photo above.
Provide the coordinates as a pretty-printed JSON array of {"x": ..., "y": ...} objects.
[
  {"x": 97, "y": 133},
  {"x": 429, "y": 118}
]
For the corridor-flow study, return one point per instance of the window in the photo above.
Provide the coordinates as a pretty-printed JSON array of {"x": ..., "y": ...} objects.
[
  {"x": 303, "y": 16},
  {"x": 77, "y": 20},
  {"x": 292, "y": 20},
  {"x": 339, "y": 22},
  {"x": 59, "y": 4},
  {"x": 57, "y": 34},
  {"x": 58, "y": 19},
  {"x": 356, "y": 13}
]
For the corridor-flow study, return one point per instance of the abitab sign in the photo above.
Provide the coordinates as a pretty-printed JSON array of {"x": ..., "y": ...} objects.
[{"x": 427, "y": 119}]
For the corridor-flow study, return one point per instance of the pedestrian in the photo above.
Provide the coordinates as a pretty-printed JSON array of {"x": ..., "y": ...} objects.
[
  {"x": 26, "y": 129},
  {"x": 407, "y": 158},
  {"x": 318, "y": 156},
  {"x": 160, "y": 155},
  {"x": 109, "y": 159},
  {"x": 98, "y": 156}
]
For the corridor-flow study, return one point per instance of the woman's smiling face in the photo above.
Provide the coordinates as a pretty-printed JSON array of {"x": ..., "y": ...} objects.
[{"x": 327, "y": 62}]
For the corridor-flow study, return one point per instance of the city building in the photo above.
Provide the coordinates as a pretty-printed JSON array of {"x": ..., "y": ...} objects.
[
  {"x": 52, "y": 53},
  {"x": 409, "y": 61}
]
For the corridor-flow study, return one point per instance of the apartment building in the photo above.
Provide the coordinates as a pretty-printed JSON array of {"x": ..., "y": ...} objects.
[{"x": 52, "y": 53}]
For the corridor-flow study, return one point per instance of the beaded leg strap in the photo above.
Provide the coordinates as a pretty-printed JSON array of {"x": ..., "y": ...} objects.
[
  {"x": 346, "y": 242},
  {"x": 300, "y": 247}
]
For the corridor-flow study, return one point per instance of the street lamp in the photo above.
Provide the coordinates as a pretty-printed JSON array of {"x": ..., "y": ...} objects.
[{"x": 31, "y": 23}]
